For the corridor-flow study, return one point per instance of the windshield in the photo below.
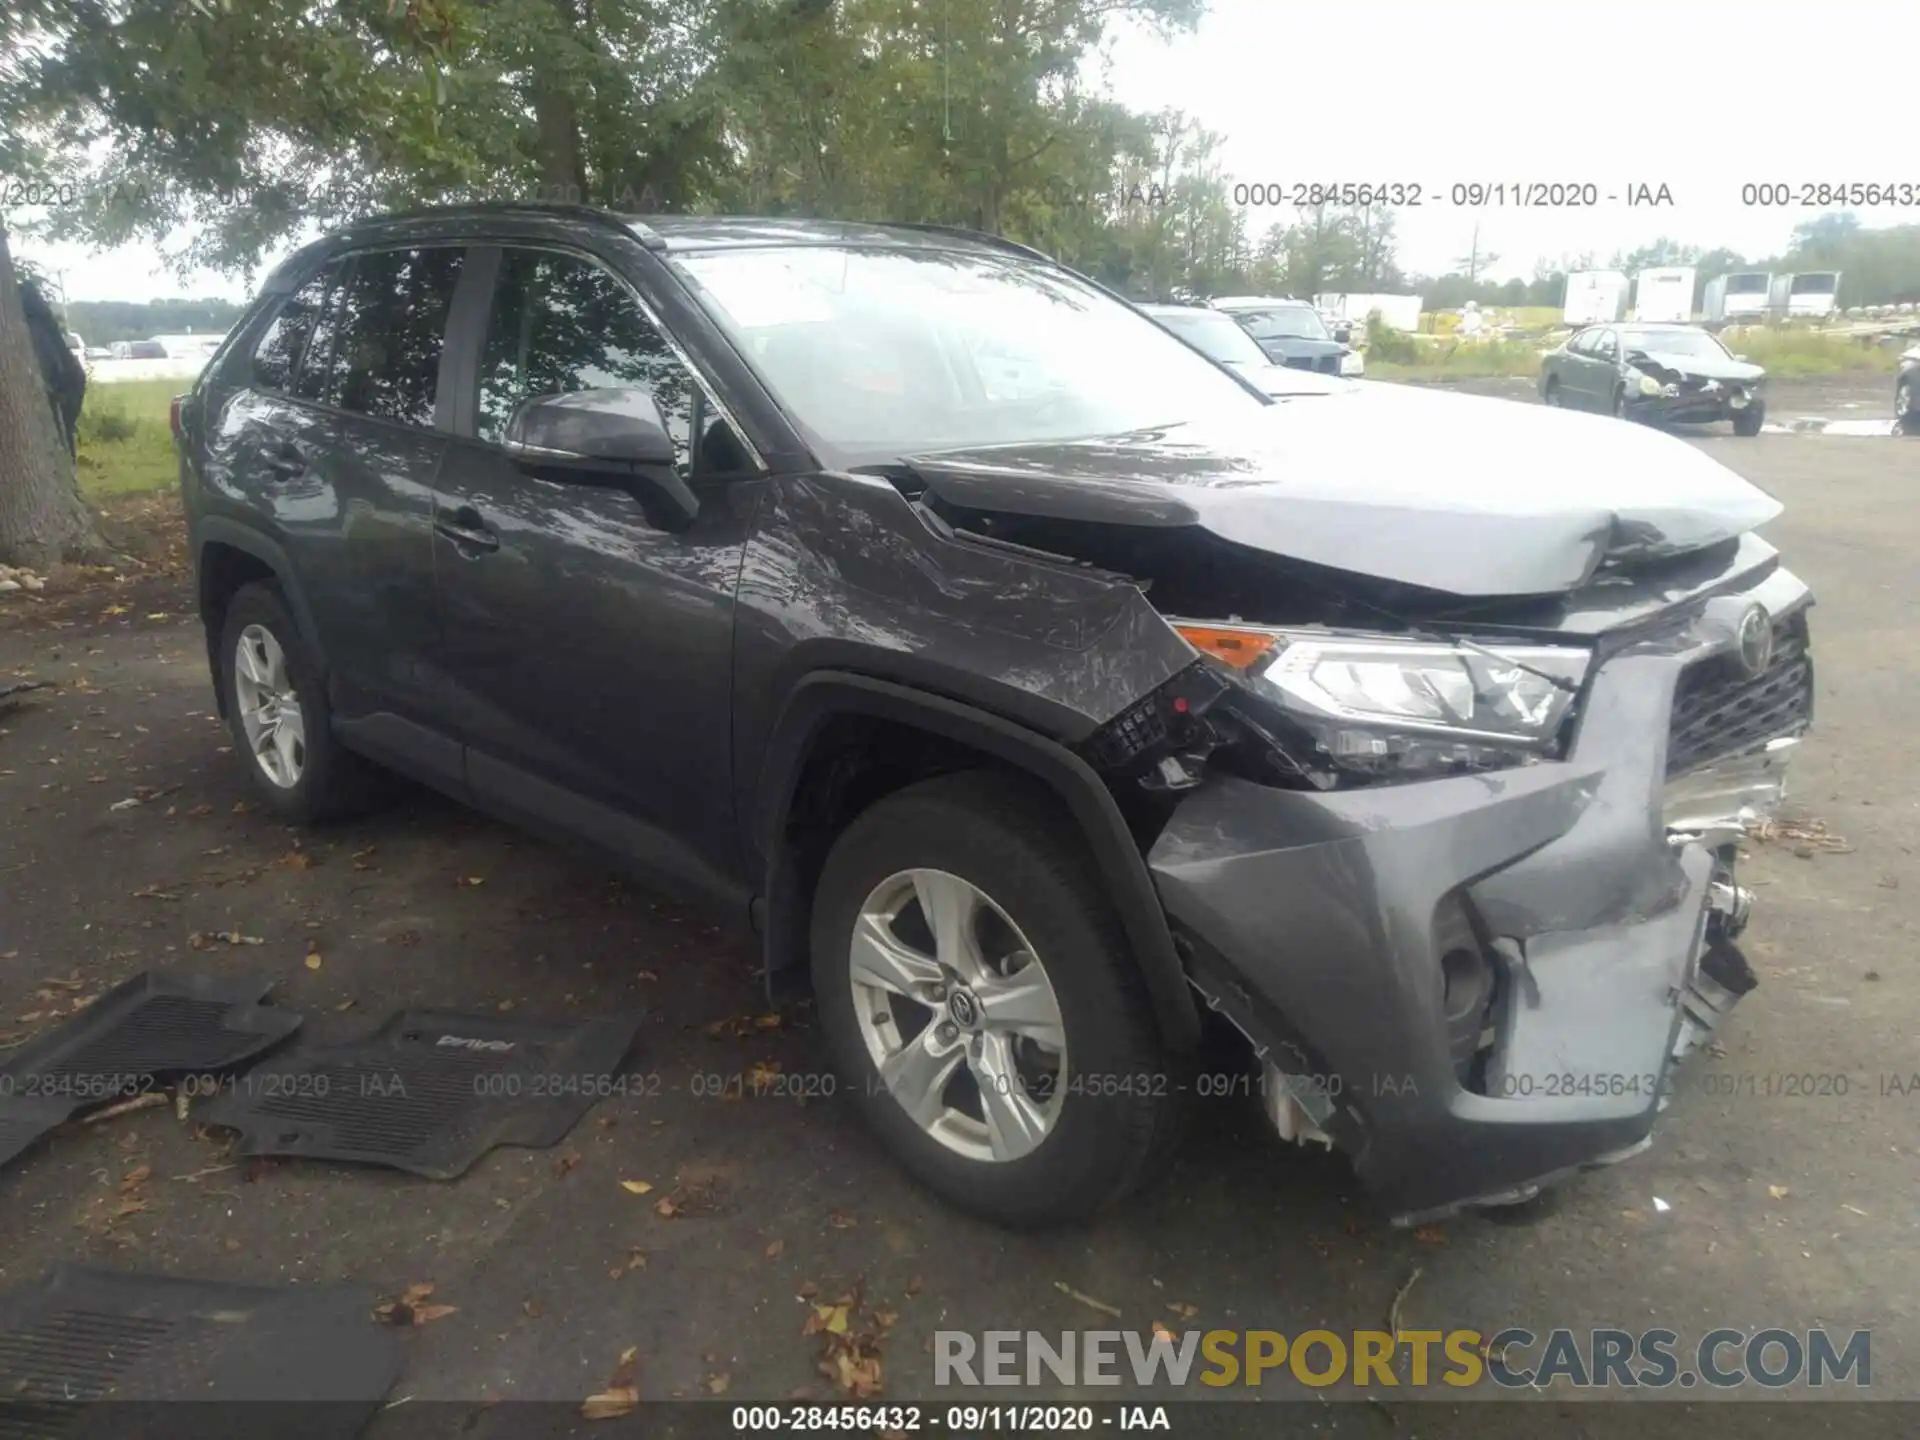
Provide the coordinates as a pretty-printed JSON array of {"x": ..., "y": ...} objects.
[
  {"x": 1217, "y": 336},
  {"x": 1294, "y": 322},
  {"x": 881, "y": 353},
  {"x": 1814, "y": 284},
  {"x": 1747, "y": 284},
  {"x": 1696, "y": 343}
]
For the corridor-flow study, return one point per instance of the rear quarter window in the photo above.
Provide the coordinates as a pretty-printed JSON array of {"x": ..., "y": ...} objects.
[{"x": 276, "y": 358}]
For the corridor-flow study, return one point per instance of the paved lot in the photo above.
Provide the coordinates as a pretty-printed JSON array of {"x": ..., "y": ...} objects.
[{"x": 1779, "y": 1209}]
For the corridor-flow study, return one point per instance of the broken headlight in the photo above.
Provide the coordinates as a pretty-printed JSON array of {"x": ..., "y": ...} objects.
[{"x": 1389, "y": 705}]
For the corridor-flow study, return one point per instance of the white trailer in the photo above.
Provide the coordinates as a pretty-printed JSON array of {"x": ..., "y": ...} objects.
[
  {"x": 1664, "y": 294},
  {"x": 1804, "y": 294},
  {"x": 1595, "y": 297},
  {"x": 1401, "y": 312},
  {"x": 1737, "y": 295}
]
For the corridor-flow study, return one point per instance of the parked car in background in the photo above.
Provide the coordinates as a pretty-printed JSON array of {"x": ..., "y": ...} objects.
[
  {"x": 1906, "y": 414},
  {"x": 1030, "y": 683},
  {"x": 1221, "y": 339},
  {"x": 1674, "y": 373},
  {"x": 1291, "y": 332}
]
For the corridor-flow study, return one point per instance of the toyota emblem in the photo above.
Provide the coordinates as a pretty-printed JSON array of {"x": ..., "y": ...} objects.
[{"x": 1754, "y": 639}]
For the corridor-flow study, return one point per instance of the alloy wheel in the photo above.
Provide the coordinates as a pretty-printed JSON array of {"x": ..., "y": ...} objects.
[
  {"x": 958, "y": 1015},
  {"x": 269, "y": 707}
]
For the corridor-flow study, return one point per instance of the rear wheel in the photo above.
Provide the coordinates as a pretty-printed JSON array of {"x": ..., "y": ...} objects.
[
  {"x": 278, "y": 714},
  {"x": 1551, "y": 395},
  {"x": 982, "y": 1005}
]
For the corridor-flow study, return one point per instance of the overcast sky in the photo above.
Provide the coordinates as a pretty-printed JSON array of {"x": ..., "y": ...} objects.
[{"x": 1699, "y": 96}]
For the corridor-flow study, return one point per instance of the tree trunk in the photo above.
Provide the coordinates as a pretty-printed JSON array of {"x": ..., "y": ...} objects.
[{"x": 42, "y": 517}]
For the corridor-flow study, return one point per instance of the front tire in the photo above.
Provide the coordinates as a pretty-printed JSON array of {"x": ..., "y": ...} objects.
[
  {"x": 1905, "y": 422},
  {"x": 278, "y": 714},
  {"x": 982, "y": 1005},
  {"x": 1620, "y": 403},
  {"x": 1748, "y": 422}
]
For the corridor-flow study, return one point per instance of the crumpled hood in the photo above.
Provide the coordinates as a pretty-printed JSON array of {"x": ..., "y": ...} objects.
[
  {"x": 1461, "y": 494},
  {"x": 1706, "y": 367}
]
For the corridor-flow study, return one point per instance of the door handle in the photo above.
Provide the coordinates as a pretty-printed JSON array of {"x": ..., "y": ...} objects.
[{"x": 470, "y": 534}]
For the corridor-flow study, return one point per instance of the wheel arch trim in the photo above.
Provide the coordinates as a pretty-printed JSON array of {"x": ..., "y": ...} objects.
[{"x": 822, "y": 696}]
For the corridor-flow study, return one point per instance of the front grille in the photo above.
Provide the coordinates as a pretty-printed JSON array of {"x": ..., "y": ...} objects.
[
  {"x": 1330, "y": 364},
  {"x": 1719, "y": 711}
]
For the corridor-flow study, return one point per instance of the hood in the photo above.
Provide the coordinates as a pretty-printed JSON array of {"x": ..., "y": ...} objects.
[
  {"x": 1706, "y": 367},
  {"x": 1286, "y": 381},
  {"x": 1466, "y": 495}
]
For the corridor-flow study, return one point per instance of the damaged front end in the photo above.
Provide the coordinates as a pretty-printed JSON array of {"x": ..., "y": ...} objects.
[{"x": 1470, "y": 894}]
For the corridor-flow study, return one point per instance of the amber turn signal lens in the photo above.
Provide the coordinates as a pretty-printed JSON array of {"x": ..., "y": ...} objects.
[{"x": 1238, "y": 648}]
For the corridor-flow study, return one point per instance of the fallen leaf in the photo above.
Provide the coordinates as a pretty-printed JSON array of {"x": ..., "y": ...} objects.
[
  {"x": 610, "y": 1404},
  {"x": 1184, "y": 1310},
  {"x": 426, "y": 1313},
  {"x": 313, "y": 960},
  {"x": 135, "y": 1177},
  {"x": 1430, "y": 1235},
  {"x": 717, "y": 1384},
  {"x": 829, "y": 1318},
  {"x": 840, "y": 1220},
  {"x": 466, "y": 882},
  {"x": 533, "y": 1309},
  {"x": 1778, "y": 1192},
  {"x": 665, "y": 1208},
  {"x": 567, "y": 1159},
  {"x": 295, "y": 860},
  {"x": 772, "y": 1252},
  {"x": 636, "y": 1260},
  {"x": 624, "y": 1373},
  {"x": 636, "y": 1187}
]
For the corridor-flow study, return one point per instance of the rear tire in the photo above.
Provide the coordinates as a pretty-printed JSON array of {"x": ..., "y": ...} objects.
[
  {"x": 1108, "y": 1113},
  {"x": 1551, "y": 394},
  {"x": 278, "y": 715},
  {"x": 1905, "y": 422}
]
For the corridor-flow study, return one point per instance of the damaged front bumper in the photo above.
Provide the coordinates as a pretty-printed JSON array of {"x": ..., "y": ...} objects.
[{"x": 1477, "y": 985}]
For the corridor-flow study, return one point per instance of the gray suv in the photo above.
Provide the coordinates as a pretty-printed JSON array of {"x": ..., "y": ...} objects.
[{"x": 1035, "y": 687}]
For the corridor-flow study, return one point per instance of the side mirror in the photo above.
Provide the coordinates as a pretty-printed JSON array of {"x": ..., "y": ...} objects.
[{"x": 614, "y": 438}]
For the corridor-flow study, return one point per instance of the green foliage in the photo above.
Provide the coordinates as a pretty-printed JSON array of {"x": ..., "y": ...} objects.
[
  {"x": 1791, "y": 350},
  {"x": 1384, "y": 343},
  {"x": 125, "y": 443}
]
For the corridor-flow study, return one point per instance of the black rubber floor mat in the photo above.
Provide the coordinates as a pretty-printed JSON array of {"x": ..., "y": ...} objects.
[
  {"x": 87, "y": 1353},
  {"x": 145, "y": 1030},
  {"x": 430, "y": 1091}
]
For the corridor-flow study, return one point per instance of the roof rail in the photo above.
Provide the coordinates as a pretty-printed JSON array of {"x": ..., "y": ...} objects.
[
  {"x": 645, "y": 233},
  {"x": 966, "y": 232}
]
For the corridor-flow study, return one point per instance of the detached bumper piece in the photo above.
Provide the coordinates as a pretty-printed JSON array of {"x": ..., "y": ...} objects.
[
  {"x": 152, "y": 1028},
  {"x": 429, "y": 1091},
  {"x": 86, "y": 1354}
]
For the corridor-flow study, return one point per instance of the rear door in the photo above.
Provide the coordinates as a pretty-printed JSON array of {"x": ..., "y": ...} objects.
[
  {"x": 337, "y": 440},
  {"x": 588, "y": 650}
]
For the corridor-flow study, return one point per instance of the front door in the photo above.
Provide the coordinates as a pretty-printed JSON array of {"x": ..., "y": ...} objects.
[{"x": 588, "y": 650}]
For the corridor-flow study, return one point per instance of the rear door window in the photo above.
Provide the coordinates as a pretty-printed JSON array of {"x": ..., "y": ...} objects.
[{"x": 375, "y": 348}]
